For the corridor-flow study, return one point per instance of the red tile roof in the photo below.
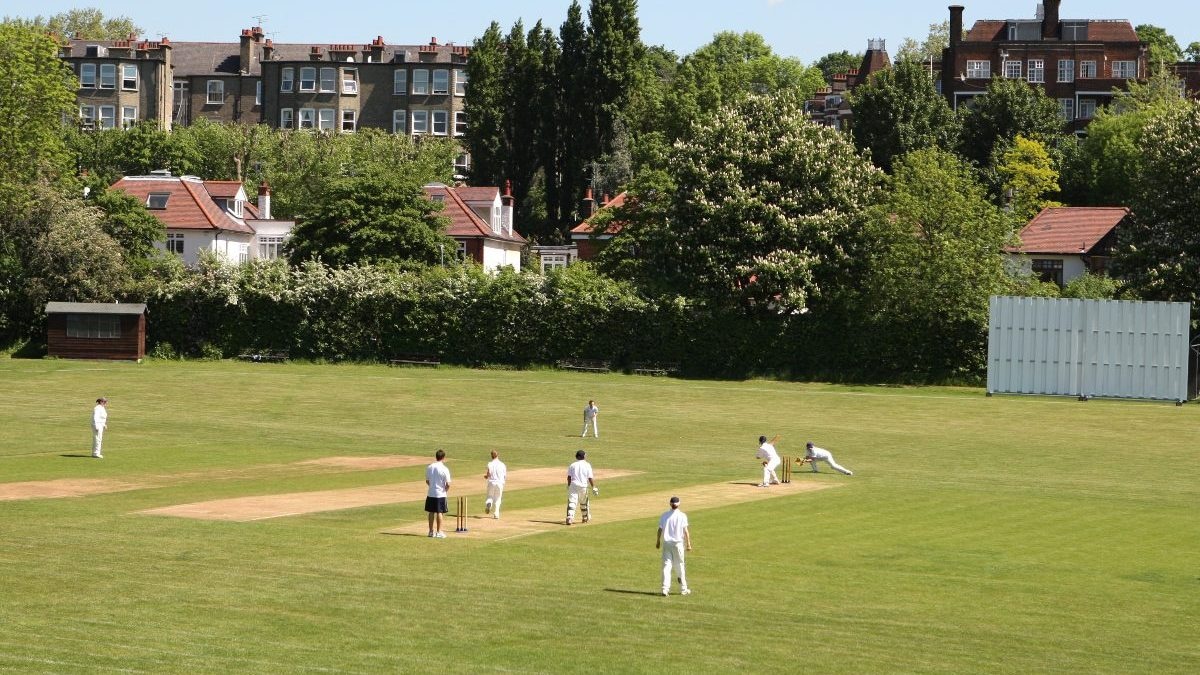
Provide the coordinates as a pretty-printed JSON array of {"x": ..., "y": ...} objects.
[
  {"x": 987, "y": 30},
  {"x": 613, "y": 227},
  {"x": 1111, "y": 31},
  {"x": 190, "y": 205},
  {"x": 464, "y": 222},
  {"x": 223, "y": 189},
  {"x": 477, "y": 194},
  {"x": 1069, "y": 229}
]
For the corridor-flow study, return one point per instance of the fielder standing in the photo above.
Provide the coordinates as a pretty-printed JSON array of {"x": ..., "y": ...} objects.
[
  {"x": 673, "y": 532},
  {"x": 770, "y": 460},
  {"x": 496, "y": 473},
  {"x": 590, "y": 415},
  {"x": 813, "y": 454},
  {"x": 437, "y": 477},
  {"x": 579, "y": 478},
  {"x": 99, "y": 424}
]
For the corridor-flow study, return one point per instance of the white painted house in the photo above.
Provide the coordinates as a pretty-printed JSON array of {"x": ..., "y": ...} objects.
[{"x": 481, "y": 221}]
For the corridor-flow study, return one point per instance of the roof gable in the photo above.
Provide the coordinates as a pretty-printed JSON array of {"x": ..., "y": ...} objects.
[
  {"x": 614, "y": 227},
  {"x": 189, "y": 204},
  {"x": 464, "y": 222}
]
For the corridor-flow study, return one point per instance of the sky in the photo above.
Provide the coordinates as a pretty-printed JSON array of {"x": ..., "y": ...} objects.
[{"x": 803, "y": 29}]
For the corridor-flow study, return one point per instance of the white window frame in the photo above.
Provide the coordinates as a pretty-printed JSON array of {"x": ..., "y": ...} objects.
[
  {"x": 350, "y": 81},
  {"x": 1012, "y": 70},
  {"x": 1066, "y": 70},
  {"x": 328, "y": 80},
  {"x": 108, "y": 76},
  {"x": 129, "y": 77},
  {"x": 258, "y": 87},
  {"x": 553, "y": 261},
  {"x": 287, "y": 118},
  {"x": 129, "y": 116},
  {"x": 308, "y": 79},
  {"x": 420, "y": 82},
  {"x": 439, "y": 123},
  {"x": 287, "y": 79},
  {"x": 460, "y": 122},
  {"x": 1128, "y": 70},
  {"x": 220, "y": 91},
  {"x": 87, "y": 114},
  {"x": 308, "y": 119},
  {"x": 1087, "y": 108},
  {"x": 87, "y": 76},
  {"x": 326, "y": 119},
  {"x": 108, "y": 117},
  {"x": 243, "y": 254},
  {"x": 460, "y": 82},
  {"x": 175, "y": 243},
  {"x": 1087, "y": 70},
  {"x": 94, "y": 326},
  {"x": 462, "y": 249},
  {"x": 270, "y": 248},
  {"x": 399, "y": 121},
  {"x": 979, "y": 70},
  {"x": 350, "y": 117},
  {"x": 420, "y": 122},
  {"x": 441, "y": 82},
  {"x": 1035, "y": 71},
  {"x": 1066, "y": 107},
  {"x": 400, "y": 82}
]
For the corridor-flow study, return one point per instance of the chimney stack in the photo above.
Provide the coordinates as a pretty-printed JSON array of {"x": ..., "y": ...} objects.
[
  {"x": 589, "y": 204},
  {"x": 264, "y": 201},
  {"x": 956, "y": 31},
  {"x": 506, "y": 209},
  {"x": 1050, "y": 19}
]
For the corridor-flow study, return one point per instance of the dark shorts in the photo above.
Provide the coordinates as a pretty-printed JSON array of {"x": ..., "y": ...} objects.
[{"x": 435, "y": 505}]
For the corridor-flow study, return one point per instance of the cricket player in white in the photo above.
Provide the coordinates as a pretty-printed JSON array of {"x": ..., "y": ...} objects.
[
  {"x": 766, "y": 452},
  {"x": 99, "y": 424},
  {"x": 674, "y": 537},
  {"x": 496, "y": 473},
  {"x": 590, "y": 413},
  {"x": 813, "y": 454},
  {"x": 579, "y": 478}
]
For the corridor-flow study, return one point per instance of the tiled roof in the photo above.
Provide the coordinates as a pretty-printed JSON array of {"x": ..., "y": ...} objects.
[
  {"x": 477, "y": 194},
  {"x": 1069, "y": 229},
  {"x": 613, "y": 227},
  {"x": 223, "y": 189},
  {"x": 987, "y": 30},
  {"x": 1111, "y": 31},
  {"x": 190, "y": 205},
  {"x": 464, "y": 222},
  {"x": 209, "y": 58}
]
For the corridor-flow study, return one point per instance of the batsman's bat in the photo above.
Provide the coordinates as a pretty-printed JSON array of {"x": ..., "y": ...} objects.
[{"x": 775, "y": 438}]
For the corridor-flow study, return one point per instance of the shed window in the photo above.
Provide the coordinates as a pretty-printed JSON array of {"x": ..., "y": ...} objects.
[{"x": 99, "y": 326}]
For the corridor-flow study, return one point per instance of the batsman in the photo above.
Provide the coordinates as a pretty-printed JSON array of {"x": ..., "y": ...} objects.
[{"x": 770, "y": 460}]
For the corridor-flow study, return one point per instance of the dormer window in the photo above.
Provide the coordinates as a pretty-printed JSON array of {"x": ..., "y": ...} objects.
[
  {"x": 157, "y": 201},
  {"x": 236, "y": 207},
  {"x": 438, "y": 198}
]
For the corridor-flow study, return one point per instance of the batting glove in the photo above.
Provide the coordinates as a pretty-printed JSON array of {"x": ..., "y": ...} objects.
[{"x": 595, "y": 490}]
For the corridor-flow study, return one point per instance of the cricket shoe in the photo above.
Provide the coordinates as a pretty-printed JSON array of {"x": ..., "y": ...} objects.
[
  {"x": 487, "y": 507},
  {"x": 686, "y": 591},
  {"x": 496, "y": 516},
  {"x": 440, "y": 535},
  {"x": 666, "y": 592},
  {"x": 761, "y": 485}
]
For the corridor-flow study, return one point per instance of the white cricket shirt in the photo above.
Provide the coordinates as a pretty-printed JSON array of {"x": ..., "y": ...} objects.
[
  {"x": 579, "y": 472},
  {"x": 99, "y": 417},
  {"x": 497, "y": 472},
  {"x": 767, "y": 451},
  {"x": 673, "y": 523},
  {"x": 438, "y": 475}
]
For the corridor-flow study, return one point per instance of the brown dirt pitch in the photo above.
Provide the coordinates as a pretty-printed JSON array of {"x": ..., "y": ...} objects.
[
  {"x": 514, "y": 524},
  {"x": 62, "y": 487},
  {"x": 262, "y": 507}
]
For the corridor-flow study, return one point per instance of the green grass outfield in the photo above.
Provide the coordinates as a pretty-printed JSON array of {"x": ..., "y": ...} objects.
[{"x": 1000, "y": 535}]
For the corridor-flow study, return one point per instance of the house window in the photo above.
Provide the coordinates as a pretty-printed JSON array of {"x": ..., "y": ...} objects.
[
  {"x": 420, "y": 81},
  {"x": 258, "y": 93},
  {"x": 157, "y": 201},
  {"x": 349, "y": 121},
  {"x": 328, "y": 77},
  {"x": 979, "y": 70},
  {"x": 460, "y": 82},
  {"x": 308, "y": 118},
  {"x": 270, "y": 248},
  {"x": 108, "y": 76},
  {"x": 287, "y": 79},
  {"x": 87, "y": 115},
  {"x": 128, "y": 116},
  {"x": 1087, "y": 69},
  {"x": 439, "y": 122},
  {"x": 108, "y": 117},
  {"x": 460, "y": 123},
  {"x": 400, "y": 82},
  {"x": 553, "y": 262},
  {"x": 1012, "y": 70},
  {"x": 420, "y": 122},
  {"x": 350, "y": 80},
  {"x": 1037, "y": 71},
  {"x": 129, "y": 78},
  {"x": 243, "y": 253},
  {"x": 462, "y": 163},
  {"x": 462, "y": 249},
  {"x": 1048, "y": 270},
  {"x": 1120, "y": 69},
  {"x": 441, "y": 82},
  {"x": 399, "y": 121},
  {"x": 175, "y": 243},
  {"x": 286, "y": 119},
  {"x": 308, "y": 79},
  {"x": 1087, "y": 108},
  {"x": 235, "y": 207},
  {"x": 216, "y": 92},
  {"x": 87, "y": 75},
  {"x": 95, "y": 326},
  {"x": 325, "y": 119},
  {"x": 1067, "y": 107},
  {"x": 1066, "y": 70}
]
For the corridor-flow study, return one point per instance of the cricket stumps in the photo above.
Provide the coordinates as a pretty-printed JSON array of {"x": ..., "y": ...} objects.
[
  {"x": 461, "y": 516},
  {"x": 787, "y": 470}
]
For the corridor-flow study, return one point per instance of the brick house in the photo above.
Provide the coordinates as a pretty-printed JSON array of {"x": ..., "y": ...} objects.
[
  {"x": 1077, "y": 62},
  {"x": 121, "y": 82},
  {"x": 481, "y": 221},
  {"x": 831, "y": 105},
  {"x": 587, "y": 239},
  {"x": 1062, "y": 243}
]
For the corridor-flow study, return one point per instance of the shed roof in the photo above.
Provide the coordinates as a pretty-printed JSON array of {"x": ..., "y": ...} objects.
[{"x": 95, "y": 308}]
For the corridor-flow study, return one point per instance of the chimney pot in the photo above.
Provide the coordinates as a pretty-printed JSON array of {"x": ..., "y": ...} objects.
[{"x": 433, "y": 41}]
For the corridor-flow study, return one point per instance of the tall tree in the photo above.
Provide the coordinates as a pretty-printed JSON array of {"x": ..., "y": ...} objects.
[
  {"x": 1192, "y": 53},
  {"x": 1164, "y": 51},
  {"x": 1029, "y": 178},
  {"x": 1008, "y": 109},
  {"x": 485, "y": 107},
  {"x": 615, "y": 56},
  {"x": 837, "y": 63},
  {"x": 87, "y": 22},
  {"x": 899, "y": 110},
  {"x": 576, "y": 116},
  {"x": 928, "y": 49},
  {"x": 521, "y": 113}
]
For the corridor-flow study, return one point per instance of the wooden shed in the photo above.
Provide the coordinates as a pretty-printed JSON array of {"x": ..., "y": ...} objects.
[{"x": 96, "y": 330}]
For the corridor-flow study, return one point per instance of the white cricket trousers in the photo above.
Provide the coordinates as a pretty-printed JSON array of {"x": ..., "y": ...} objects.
[
  {"x": 834, "y": 465},
  {"x": 576, "y": 495},
  {"x": 769, "y": 475},
  {"x": 494, "y": 492},
  {"x": 673, "y": 556},
  {"x": 595, "y": 427},
  {"x": 97, "y": 440}
]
